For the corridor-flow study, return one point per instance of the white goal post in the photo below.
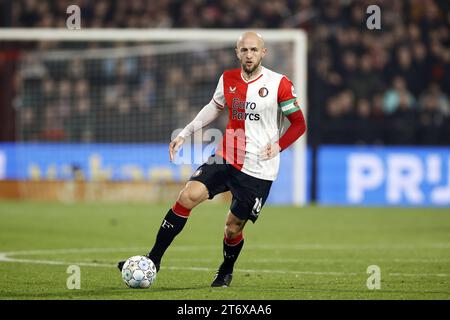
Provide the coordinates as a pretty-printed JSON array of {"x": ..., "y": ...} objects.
[{"x": 299, "y": 72}]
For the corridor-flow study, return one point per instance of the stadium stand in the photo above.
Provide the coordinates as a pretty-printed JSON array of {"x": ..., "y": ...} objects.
[{"x": 364, "y": 86}]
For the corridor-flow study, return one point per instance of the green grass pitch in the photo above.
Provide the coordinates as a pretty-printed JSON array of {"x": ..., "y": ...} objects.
[{"x": 290, "y": 253}]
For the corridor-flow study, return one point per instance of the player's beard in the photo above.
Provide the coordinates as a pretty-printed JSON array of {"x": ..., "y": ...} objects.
[{"x": 250, "y": 71}]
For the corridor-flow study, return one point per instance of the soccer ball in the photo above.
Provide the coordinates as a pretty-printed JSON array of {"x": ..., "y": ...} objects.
[{"x": 139, "y": 272}]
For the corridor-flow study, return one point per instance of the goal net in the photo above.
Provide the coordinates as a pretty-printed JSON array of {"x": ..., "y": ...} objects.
[{"x": 102, "y": 105}]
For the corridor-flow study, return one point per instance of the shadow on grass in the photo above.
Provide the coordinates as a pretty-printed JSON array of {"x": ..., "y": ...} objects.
[
  {"x": 103, "y": 293},
  {"x": 356, "y": 291},
  {"x": 160, "y": 293}
]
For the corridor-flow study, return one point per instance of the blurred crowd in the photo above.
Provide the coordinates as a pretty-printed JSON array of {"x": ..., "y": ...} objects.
[
  {"x": 138, "y": 98},
  {"x": 388, "y": 86}
]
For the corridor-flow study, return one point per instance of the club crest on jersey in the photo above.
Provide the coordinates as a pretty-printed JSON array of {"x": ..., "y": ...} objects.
[{"x": 263, "y": 92}]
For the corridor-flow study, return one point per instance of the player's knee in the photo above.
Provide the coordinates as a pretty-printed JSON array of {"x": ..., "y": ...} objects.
[
  {"x": 189, "y": 198},
  {"x": 186, "y": 199},
  {"x": 232, "y": 230}
]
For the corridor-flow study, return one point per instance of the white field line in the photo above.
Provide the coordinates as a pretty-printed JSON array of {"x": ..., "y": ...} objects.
[
  {"x": 81, "y": 264},
  {"x": 323, "y": 260},
  {"x": 317, "y": 246},
  {"x": 280, "y": 260},
  {"x": 69, "y": 251},
  {"x": 275, "y": 247},
  {"x": 6, "y": 257}
]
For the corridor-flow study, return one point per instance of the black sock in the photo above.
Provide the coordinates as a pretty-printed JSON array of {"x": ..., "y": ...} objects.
[
  {"x": 230, "y": 255},
  {"x": 170, "y": 227}
]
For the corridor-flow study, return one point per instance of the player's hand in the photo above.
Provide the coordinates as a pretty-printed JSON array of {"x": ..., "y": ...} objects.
[
  {"x": 270, "y": 151},
  {"x": 174, "y": 145}
]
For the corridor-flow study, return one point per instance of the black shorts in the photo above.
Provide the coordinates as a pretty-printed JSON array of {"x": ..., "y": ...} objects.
[{"x": 249, "y": 193}]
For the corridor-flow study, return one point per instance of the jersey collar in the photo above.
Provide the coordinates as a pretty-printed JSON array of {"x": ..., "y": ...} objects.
[{"x": 257, "y": 78}]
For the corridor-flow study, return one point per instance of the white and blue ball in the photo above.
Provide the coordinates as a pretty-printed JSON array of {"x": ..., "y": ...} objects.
[{"x": 139, "y": 272}]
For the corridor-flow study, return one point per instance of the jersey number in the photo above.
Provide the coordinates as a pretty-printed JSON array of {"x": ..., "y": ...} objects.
[{"x": 257, "y": 207}]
